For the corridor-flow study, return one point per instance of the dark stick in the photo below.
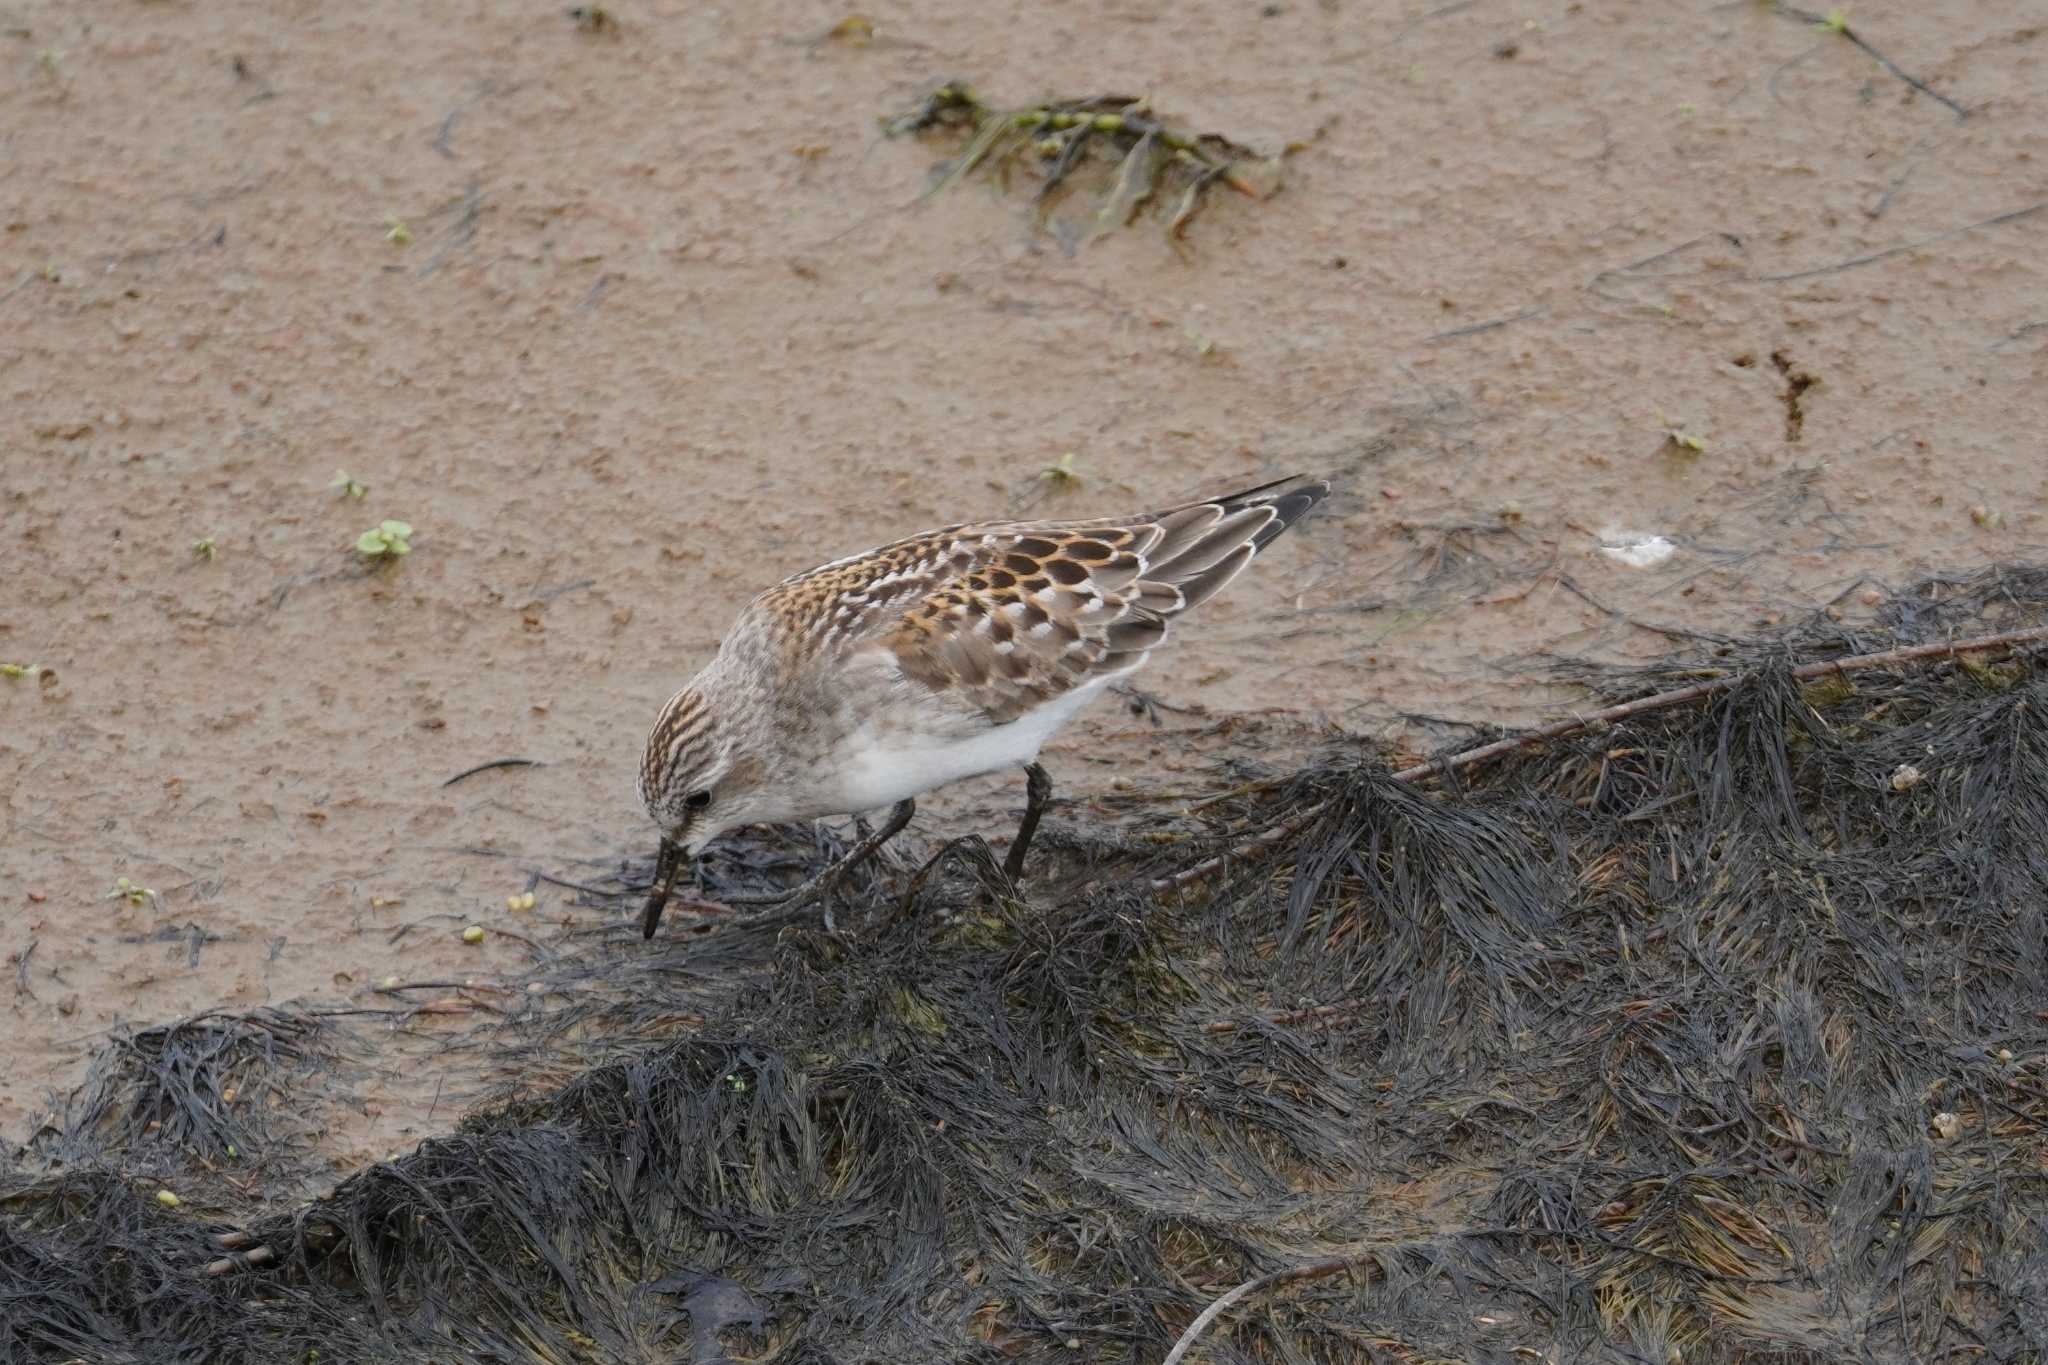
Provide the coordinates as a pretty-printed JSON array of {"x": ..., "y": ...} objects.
[
  {"x": 1291, "y": 1017},
  {"x": 899, "y": 816},
  {"x": 1608, "y": 715},
  {"x": 1309, "y": 1271},
  {"x": 1904, "y": 247},
  {"x": 1821, "y": 21},
  {"x": 494, "y": 763}
]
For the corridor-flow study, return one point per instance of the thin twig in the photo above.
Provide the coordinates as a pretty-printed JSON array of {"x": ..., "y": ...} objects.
[
  {"x": 1822, "y": 21},
  {"x": 1312, "y": 1270},
  {"x": 1889, "y": 252},
  {"x": 1476, "y": 328},
  {"x": 1853, "y": 663},
  {"x": 494, "y": 763},
  {"x": 1300, "y": 1016}
]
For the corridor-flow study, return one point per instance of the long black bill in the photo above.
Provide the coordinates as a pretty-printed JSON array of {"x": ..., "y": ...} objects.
[{"x": 667, "y": 864}]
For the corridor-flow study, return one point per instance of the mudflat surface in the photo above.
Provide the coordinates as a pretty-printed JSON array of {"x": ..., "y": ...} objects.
[{"x": 628, "y": 323}]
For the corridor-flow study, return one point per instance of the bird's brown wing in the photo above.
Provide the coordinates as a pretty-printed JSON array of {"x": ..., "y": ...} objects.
[{"x": 1006, "y": 616}]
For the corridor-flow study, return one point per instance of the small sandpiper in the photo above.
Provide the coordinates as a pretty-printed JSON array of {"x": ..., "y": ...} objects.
[{"x": 868, "y": 681}]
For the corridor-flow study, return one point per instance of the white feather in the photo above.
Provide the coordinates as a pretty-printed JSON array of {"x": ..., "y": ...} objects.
[{"x": 878, "y": 768}]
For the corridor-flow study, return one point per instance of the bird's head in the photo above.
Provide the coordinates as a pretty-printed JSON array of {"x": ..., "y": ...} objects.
[
  {"x": 689, "y": 781},
  {"x": 695, "y": 783}
]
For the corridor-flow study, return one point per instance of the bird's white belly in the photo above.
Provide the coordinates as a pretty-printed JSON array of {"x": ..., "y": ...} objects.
[{"x": 881, "y": 765}]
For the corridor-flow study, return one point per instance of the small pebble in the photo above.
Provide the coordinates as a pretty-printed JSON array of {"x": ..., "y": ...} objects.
[
  {"x": 2005, "y": 1054},
  {"x": 390, "y": 983},
  {"x": 167, "y": 1199},
  {"x": 1947, "y": 1125},
  {"x": 473, "y": 934},
  {"x": 1905, "y": 777}
]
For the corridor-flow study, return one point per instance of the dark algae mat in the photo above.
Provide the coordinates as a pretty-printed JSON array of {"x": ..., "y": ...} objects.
[{"x": 1715, "y": 1030}]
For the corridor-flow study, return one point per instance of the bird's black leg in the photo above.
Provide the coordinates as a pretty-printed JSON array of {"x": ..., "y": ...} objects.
[
  {"x": 1037, "y": 796},
  {"x": 666, "y": 864},
  {"x": 899, "y": 816}
]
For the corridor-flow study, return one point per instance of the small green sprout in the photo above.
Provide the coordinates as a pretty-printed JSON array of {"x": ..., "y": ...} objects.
[
  {"x": 349, "y": 484},
  {"x": 1675, "y": 435},
  {"x": 1835, "y": 21},
  {"x": 206, "y": 547},
  {"x": 20, "y": 670},
  {"x": 1061, "y": 472},
  {"x": 396, "y": 232},
  {"x": 134, "y": 893},
  {"x": 392, "y": 538},
  {"x": 49, "y": 59},
  {"x": 856, "y": 29}
]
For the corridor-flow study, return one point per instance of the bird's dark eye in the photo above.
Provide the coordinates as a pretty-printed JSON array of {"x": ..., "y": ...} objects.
[{"x": 697, "y": 800}]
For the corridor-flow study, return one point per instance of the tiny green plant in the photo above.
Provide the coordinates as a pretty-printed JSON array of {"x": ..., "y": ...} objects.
[
  {"x": 1679, "y": 437},
  {"x": 396, "y": 232},
  {"x": 133, "y": 892},
  {"x": 1834, "y": 21},
  {"x": 1061, "y": 473},
  {"x": 349, "y": 484},
  {"x": 206, "y": 547},
  {"x": 390, "y": 539},
  {"x": 20, "y": 670}
]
